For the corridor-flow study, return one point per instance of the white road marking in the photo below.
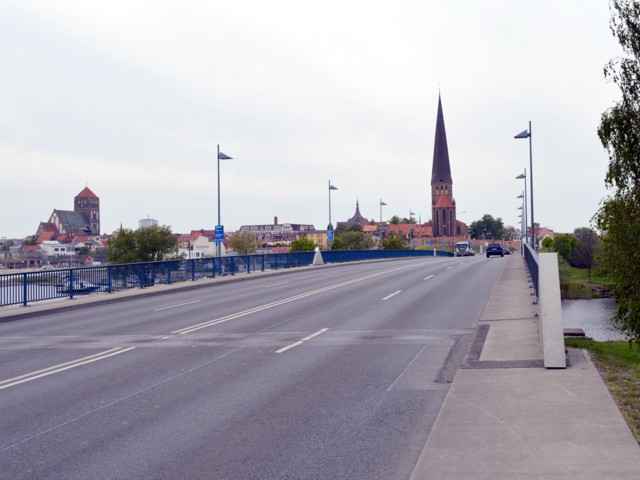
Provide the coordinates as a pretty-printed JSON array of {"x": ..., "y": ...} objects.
[
  {"x": 10, "y": 382},
  {"x": 275, "y": 284},
  {"x": 300, "y": 342},
  {"x": 267, "y": 306},
  {"x": 176, "y": 306},
  {"x": 449, "y": 267},
  {"x": 430, "y": 276},
  {"x": 392, "y": 295}
]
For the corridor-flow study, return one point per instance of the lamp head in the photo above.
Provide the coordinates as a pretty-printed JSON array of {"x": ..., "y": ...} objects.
[
  {"x": 521, "y": 176},
  {"x": 523, "y": 134}
]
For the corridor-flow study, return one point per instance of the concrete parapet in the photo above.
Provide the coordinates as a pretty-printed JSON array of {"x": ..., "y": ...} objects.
[{"x": 551, "y": 331}]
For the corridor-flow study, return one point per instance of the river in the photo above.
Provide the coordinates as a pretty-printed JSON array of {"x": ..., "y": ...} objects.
[{"x": 592, "y": 316}]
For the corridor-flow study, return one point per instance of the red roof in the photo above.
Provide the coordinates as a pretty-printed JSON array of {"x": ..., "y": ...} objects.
[
  {"x": 86, "y": 193},
  {"x": 444, "y": 202}
]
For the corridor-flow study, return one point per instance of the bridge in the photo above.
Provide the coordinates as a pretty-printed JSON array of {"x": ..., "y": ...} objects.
[{"x": 413, "y": 368}]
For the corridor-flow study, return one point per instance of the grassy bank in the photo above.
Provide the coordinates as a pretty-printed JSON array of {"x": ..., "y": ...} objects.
[
  {"x": 575, "y": 283},
  {"x": 619, "y": 366}
]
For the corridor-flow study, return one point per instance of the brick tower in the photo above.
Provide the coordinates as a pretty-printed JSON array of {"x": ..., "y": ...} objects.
[
  {"x": 88, "y": 204},
  {"x": 443, "y": 205}
]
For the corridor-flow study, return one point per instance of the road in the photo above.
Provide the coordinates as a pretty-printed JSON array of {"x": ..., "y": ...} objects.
[{"x": 336, "y": 372}]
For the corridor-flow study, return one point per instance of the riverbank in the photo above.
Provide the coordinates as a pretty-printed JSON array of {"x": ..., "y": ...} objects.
[
  {"x": 619, "y": 367},
  {"x": 576, "y": 284}
]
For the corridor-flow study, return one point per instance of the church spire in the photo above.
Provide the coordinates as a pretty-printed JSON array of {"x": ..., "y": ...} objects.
[{"x": 441, "y": 171}]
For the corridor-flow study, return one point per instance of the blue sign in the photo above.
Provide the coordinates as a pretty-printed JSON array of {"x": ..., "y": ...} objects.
[
  {"x": 443, "y": 245},
  {"x": 219, "y": 230},
  {"x": 329, "y": 236}
]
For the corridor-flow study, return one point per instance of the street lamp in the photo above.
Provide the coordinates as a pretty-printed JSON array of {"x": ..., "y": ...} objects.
[
  {"x": 527, "y": 134},
  {"x": 330, "y": 226},
  {"x": 381, "y": 228},
  {"x": 221, "y": 156}
]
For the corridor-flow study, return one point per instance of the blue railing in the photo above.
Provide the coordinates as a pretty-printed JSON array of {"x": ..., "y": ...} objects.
[
  {"x": 531, "y": 259},
  {"x": 28, "y": 287}
]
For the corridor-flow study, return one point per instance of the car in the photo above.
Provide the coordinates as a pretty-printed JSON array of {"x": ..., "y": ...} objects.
[{"x": 494, "y": 249}]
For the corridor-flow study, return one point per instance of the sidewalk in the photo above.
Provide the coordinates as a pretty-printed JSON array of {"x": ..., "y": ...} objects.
[{"x": 507, "y": 417}]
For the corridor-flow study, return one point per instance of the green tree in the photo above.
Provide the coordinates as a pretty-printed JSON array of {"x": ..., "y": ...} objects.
[
  {"x": 487, "y": 228},
  {"x": 146, "y": 244},
  {"x": 564, "y": 244},
  {"x": 352, "y": 240},
  {"x": 586, "y": 249},
  {"x": 395, "y": 220},
  {"x": 547, "y": 244},
  {"x": 244, "y": 243},
  {"x": 302, "y": 244},
  {"x": 394, "y": 242},
  {"x": 618, "y": 218}
]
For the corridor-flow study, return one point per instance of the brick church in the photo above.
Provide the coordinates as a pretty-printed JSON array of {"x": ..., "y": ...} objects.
[
  {"x": 443, "y": 205},
  {"x": 82, "y": 221}
]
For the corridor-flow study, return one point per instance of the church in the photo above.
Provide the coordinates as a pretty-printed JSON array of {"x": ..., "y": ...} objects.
[{"x": 82, "y": 221}]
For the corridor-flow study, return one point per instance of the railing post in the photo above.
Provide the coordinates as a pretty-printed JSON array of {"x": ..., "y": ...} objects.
[
  {"x": 141, "y": 275},
  {"x": 109, "y": 269},
  {"x": 263, "y": 262},
  {"x": 193, "y": 269},
  {"x": 24, "y": 289},
  {"x": 71, "y": 283},
  {"x": 233, "y": 266}
]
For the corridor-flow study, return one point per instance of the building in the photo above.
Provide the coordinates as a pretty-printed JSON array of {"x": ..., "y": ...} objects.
[
  {"x": 443, "y": 204},
  {"x": 197, "y": 244},
  {"x": 63, "y": 225},
  {"x": 277, "y": 233},
  {"x": 147, "y": 222},
  {"x": 356, "y": 219}
]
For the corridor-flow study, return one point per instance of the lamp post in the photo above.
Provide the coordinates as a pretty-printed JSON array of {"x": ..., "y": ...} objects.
[
  {"x": 527, "y": 134},
  {"x": 330, "y": 226},
  {"x": 221, "y": 156},
  {"x": 380, "y": 228}
]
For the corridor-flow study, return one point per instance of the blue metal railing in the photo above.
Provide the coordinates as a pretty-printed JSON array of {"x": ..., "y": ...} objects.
[
  {"x": 531, "y": 259},
  {"x": 28, "y": 287}
]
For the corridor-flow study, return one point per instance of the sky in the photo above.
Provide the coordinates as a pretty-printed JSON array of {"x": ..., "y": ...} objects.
[{"x": 132, "y": 98}]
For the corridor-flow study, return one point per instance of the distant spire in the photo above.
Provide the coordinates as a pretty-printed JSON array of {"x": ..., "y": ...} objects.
[{"x": 441, "y": 171}]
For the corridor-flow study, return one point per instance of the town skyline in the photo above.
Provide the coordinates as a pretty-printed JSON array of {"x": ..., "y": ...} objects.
[{"x": 135, "y": 108}]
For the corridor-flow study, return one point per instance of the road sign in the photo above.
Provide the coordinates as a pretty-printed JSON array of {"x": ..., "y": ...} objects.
[{"x": 219, "y": 229}]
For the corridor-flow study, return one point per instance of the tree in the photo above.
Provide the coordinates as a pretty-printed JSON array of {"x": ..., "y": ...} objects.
[
  {"x": 395, "y": 220},
  {"x": 244, "y": 243},
  {"x": 586, "y": 249},
  {"x": 618, "y": 218},
  {"x": 394, "y": 242},
  {"x": 547, "y": 244},
  {"x": 302, "y": 244},
  {"x": 487, "y": 227},
  {"x": 351, "y": 240},
  {"x": 564, "y": 244},
  {"x": 148, "y": 244}
]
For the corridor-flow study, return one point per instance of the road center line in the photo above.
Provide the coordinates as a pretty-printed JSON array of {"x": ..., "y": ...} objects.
[
  {"x": 392, "y": 295},
  {"x": 448, "y": 268},
  {"x": 430, "y": 276},
  {"x": 176, "y": 306},
  {"x": 300, "y": 296},
  {"x": 62, "y": 367},
  {"x": 300, "y": 342},
  {"x": 275, "y": 284}
]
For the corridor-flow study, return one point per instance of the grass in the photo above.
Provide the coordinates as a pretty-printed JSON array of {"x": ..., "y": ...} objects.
[
  {"x": 575, "y": 283},
  {"x": 619, "y": 366}
]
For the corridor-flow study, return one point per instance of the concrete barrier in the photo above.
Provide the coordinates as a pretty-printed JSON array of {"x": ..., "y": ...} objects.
[{"x": 551, "y": 331}]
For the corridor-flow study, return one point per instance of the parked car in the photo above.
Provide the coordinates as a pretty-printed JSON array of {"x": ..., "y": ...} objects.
[{"x": 494, "y": 249}]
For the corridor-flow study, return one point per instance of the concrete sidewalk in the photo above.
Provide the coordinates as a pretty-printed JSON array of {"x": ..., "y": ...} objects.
[{"x": 507, "y": 417}]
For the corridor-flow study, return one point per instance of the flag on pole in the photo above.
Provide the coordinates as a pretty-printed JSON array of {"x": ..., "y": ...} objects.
[{"x": 222, "y": 156}]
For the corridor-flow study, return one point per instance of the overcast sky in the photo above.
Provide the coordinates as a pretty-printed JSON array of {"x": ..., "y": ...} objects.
[{"x": 131, "y": 98}]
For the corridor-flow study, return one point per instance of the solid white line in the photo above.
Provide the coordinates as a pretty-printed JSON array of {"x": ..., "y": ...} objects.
[
  {"x": 300, "y": 342},
  {"x": 392, "y": 295},
  {"x": 61, "y": 368},
  {"x": 275, "y": 284},
  {"x": 449, "y": 268},
  {"x": 260, "y": 308},
  {"x": 430, "y": 276},
  {"x": 175, "y": 306}
]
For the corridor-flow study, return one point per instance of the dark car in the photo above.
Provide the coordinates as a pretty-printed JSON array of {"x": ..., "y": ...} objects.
[{"x": 494, "y": 249}]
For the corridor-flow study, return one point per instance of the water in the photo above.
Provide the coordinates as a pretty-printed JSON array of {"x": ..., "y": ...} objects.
[{"x": 593, "y": 316}]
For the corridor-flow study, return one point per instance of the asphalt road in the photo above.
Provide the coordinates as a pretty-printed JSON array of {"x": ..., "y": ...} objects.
[{"x": 323, "y": 373}]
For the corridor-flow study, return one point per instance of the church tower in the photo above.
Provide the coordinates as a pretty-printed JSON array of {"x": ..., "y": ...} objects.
[
  {"x": 88, "y": 204},
  {"x": 443, "y": 205}
]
